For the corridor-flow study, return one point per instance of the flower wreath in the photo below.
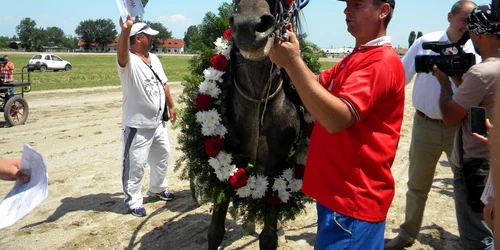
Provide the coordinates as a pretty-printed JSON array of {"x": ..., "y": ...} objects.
[{"x": 204, "y": 135}]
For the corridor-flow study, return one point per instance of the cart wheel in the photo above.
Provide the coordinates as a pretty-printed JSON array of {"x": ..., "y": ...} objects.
[{"x": 16, "y": 111}]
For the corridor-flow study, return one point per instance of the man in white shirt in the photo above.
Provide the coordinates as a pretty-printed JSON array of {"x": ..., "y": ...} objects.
[
  {"x": 144, "y": 133},
  {"x": 430, "y": 137}
]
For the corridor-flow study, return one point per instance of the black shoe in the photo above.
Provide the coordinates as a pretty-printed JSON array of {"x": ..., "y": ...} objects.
[{"x": 139, "y": 212}]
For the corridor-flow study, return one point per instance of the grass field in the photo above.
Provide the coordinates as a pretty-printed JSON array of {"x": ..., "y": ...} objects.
[{"x": 95, "y": 70}]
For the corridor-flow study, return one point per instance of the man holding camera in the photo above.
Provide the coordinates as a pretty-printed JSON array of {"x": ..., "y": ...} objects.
[
  {"x": 470, "y": 155},
  {"x": 430, "y": 136}
]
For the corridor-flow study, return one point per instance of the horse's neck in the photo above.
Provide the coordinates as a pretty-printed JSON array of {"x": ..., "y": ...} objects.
[
  {"x": 253, "y": 77},
  {"x": 253, "y": 82}
]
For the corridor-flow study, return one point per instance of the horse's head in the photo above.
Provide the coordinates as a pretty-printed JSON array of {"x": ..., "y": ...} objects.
[{"x": 253, "y": 25}]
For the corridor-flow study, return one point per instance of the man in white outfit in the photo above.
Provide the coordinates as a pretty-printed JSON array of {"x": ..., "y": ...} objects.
[
  {"x": 430, "y": 137},
  {"x": 144, "y": 133}
]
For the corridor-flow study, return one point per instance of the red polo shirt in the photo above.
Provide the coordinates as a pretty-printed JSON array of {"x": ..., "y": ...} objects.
[{"x": 350, "y": 171}]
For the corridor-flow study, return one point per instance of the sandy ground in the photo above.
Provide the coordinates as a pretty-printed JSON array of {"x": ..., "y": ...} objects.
[{"x": 78, "y": 132}]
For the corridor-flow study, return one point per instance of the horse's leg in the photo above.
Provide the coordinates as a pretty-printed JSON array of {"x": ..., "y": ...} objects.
[
  {"x": 217, "y": 228},
  {"x": 268, "y": 238},
  {"x": 281, "y": 234},
  {"x": 249, "y": 226}
]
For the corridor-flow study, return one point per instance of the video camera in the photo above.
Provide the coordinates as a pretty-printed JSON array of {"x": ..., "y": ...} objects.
[
  {"x": 3, "y": 60},
  {"x": 451, "y": 65},
  {"x": 495, "y": 10}
]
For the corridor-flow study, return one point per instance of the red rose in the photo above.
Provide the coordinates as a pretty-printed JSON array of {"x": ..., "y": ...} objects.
[
  {"x": 299, "y": 172},
  {"x": 219, "y": 62},
  {"x": 227, "y": 34},
  {"x": 239, "y": 178},
  {"x": 273, "y": 200},
  {"x": 288, "y": 1},
  {"x": 309, "y": 129},
  {"x": 213, "y": 146},
  {"x": 204, "y": 102}
]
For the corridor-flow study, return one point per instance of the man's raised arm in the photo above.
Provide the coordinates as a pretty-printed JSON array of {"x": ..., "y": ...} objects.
[{"x": 123, "y": 42}]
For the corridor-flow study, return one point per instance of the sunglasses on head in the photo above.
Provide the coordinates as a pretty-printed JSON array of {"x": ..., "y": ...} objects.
[{"x": 141, "y": 31}]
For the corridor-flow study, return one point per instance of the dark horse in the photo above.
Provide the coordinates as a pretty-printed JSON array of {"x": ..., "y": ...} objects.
[{"x": 267, "y": 122}]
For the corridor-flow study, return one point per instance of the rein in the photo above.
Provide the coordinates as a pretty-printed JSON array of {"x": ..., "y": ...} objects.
[{"x": 269, "y": 97}]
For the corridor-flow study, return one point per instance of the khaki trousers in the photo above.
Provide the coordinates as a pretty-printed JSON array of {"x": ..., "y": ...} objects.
[{"x": 429, "y": 140}]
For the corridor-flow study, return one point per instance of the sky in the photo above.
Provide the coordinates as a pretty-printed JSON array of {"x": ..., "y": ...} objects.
[{"x": 323, "y": 20}]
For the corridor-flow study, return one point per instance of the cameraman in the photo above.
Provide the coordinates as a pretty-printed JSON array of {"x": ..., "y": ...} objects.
[
  {"x": 7, "y": 72},
  {"x": 430, "y": 137},
  {"x": 470, "y": 155}
]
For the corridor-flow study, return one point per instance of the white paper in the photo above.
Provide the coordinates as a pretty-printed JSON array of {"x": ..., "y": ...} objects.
[
  {"x": 487, "y": 195},
  {"x": 24, "y": 197},
  {"x": 134, "y": 7}
]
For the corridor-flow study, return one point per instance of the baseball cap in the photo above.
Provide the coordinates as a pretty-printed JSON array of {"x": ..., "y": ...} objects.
[
  {"x": 481, "y": 21},
  {"x": 139, "y": 28},
  {"x": 391, "y": 3}
]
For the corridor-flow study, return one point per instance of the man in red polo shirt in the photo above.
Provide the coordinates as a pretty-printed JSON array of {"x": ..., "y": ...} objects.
[{"x": 358, "y": 106}]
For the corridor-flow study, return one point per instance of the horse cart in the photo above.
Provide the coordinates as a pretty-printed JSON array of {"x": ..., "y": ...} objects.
[{"x": 15, "y": 107}]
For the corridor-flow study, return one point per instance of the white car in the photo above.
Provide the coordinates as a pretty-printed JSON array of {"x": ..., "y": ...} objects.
[{"x": 44, "y": 62}]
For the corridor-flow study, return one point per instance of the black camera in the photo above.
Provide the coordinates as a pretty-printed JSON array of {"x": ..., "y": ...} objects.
[
  {"x": 3, "y": 60},
  {"x": 451, "y": 65}
]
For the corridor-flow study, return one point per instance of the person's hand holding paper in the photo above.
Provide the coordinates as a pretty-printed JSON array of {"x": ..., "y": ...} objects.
[
  {"x": 132, "y": 7},
  {"x": 24, "y": 197}
]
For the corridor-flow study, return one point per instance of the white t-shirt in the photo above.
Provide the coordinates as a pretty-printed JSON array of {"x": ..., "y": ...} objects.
[
  {"x": 143, "y": 94},
  {"x": 427, "y": 89}
]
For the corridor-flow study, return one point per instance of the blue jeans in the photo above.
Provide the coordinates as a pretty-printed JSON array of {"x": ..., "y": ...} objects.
[
  {"x": 337, "y": 232},
  {"x": 474, "y": 233}
]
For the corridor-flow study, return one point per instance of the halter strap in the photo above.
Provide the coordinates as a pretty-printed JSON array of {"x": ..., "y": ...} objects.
[{"x": 248, "y": 98}]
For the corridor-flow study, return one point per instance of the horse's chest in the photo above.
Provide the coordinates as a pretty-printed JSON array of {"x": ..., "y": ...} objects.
[{"x": 270, "y": 131}]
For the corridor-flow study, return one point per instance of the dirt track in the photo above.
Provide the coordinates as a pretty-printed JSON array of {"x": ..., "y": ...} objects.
[{"x": 78, "y": 132}]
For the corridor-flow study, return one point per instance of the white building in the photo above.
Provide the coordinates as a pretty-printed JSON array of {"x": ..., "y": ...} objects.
[{"x": 337, "y": 52}]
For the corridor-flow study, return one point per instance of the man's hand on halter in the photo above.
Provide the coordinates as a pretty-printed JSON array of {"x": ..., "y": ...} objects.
[{"x": 286, "y": 53}]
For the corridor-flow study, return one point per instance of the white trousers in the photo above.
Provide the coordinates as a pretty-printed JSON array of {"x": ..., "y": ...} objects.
[{"x": 141, "y": 146}]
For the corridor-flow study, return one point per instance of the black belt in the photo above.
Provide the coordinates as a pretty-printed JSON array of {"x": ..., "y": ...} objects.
[{"x": 420, "y": 113}]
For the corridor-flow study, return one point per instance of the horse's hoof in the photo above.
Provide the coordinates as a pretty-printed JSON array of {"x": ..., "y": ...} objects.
[{"x": 248, "y": 228}]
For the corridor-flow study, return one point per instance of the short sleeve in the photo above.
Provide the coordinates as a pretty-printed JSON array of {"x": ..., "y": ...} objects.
[
  {"x": 365, "y": 87},
  {"x": 472, "y": 91},
  {"x": 325, "y": 78}
]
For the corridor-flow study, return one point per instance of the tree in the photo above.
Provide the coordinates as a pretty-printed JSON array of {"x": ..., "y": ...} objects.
[
  {"x": 4, "y": 41},
  {"x": 307, "y": 52},
  {"x": 39, "y": 39},
  {"x": 213, "y": 26},
  {"x": 191, "y": 37},
  {"x": 100, "y": 32},
  {"x": 106, "y": 32},
  {"x": 87, "y": 32},
  {"x": 70, "y": 42},
  {"x": 163, "y": 34},
  {"x": 55, "y": 36},
  {"x": 419, "y": 34},
  {"x": 411, "y": 38},
  {"x": 24, "y": 30}
]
